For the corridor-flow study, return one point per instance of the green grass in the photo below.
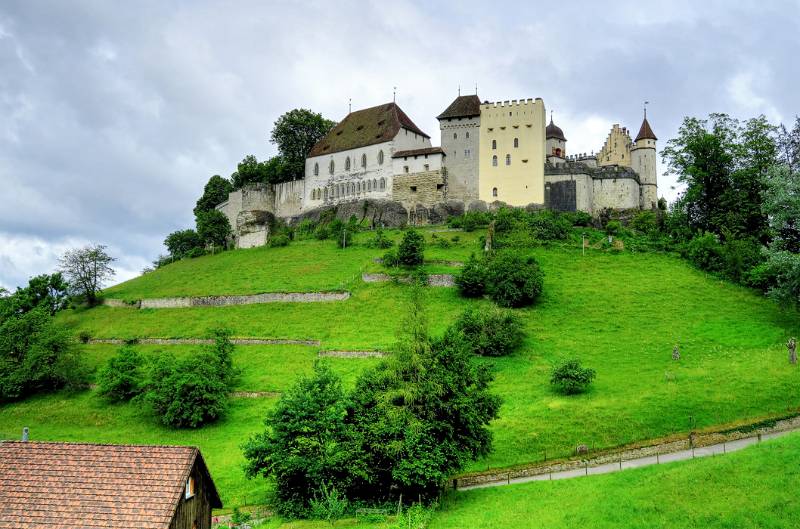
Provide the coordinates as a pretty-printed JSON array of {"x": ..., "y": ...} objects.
[
  {"x": 754, "y": 488},
  {"x": 620, "y": 314}
]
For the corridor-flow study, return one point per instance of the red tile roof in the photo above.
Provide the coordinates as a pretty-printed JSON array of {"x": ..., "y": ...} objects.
[
  {"x": 365, "y": 127},
  {"x": 645, "y": 132},
  {"x": 77, "y": 485}
]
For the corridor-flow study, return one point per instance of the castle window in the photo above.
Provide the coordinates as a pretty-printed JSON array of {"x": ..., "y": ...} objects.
[
  {"x": 331, "y": 167},
  {"x": 467, "y": 135},
  {"x": 494, "y": 144},
  {"x": 364, "y": 161},
  {"x": 466, "y": 153},
  {"x": 369, "y": 185},
  {"x": 380, "y": 157},
  {"x": 383, "y": 184},
  {"x": 413, "y": 189},
  {"x": 508, "y": 159},
  {"x": 405, "y": 168},
  {"x": 325, "y": 193},
  {"x": 316, "y": 169},
  {"x": 494, "y": 191},
  {"x": 516, "y": 142},
  {"x": 347, "y": 164},
  {"x": 427, "y": 167},
  {"x": 374, "y": 185},
  {"x": 494, "y": 161},
  {"x": 455, "y": 136},
  {"x": 439, "y": 187},
  {"x": 558, "y": 152}
]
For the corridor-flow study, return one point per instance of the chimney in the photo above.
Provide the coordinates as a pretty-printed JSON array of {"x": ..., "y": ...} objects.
[{"x": 25, "y": 434}]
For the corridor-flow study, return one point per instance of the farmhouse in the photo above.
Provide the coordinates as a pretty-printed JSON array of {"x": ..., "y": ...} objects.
[{"x": 60, "y": 485}]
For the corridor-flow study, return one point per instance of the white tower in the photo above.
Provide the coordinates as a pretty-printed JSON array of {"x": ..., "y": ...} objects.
[
  {"x": 555, "y": 149},
  {"x": 643, "y": 161}
]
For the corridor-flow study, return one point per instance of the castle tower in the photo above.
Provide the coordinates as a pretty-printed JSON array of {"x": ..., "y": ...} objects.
[
  {"x": 460, "y": 125},
  {"x": 643, "y": 161},
  {"x": 555, "y": 143}
]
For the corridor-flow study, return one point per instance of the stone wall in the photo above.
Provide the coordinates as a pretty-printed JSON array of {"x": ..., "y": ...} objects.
[
  {"x": 615, "y": 193},
  {"x": 424, "y": 189},
  {"x": 221, "y": 301},
  {"x": 288, "y": 198},
  {"x": 596, "y": 188},
  {"x": 460, "y": 142}
]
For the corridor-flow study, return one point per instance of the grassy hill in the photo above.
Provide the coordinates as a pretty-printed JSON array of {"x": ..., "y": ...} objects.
[
  {"x": 620, "y": 313},
  {"x": 754, "y": 488}
]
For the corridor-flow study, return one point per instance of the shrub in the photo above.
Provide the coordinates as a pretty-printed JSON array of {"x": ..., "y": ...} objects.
[
  {"x": 121, "y": 379},
  {"x": 645, "y": 222},
  {"x": 455, "y": 238},
  {"x": 380, "y": 240},
  {"x": 549, "y": 226},
  {"x": 390, "y": 259},
  {"x": 740, "y": 256},
  {"x": 579, "y": 218},
  {"x": 344, "y": 238},
  {"x": 278, "y": 240},
  {"x": 489, "y": 331},
  {"x": 570, "y": 378},
  {"x": 470, "y": 221},
  {"x": 443, "y": 243},
  {"x": 507, "y": 219},
  {"x": 412, "y": 248},
  {"x": 306, "y": 228},
  {"x": 513, "y": 280},
  {"x": 329, "y": 504},
  {"x": 213, "y": 227},
  {"x": 613, "y": 227},
  {"x": 180, "y": 243},
  {"x": 322, "y": 233},
  {"x": 706, "y": 252},
  {"x": 84, "y": 336},
  {"x": 471, "y": 281},
  {"x": 195, "y": 252}
]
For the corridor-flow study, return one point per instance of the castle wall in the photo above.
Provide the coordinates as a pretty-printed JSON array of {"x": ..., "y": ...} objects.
[
  {"x": 424, "y": 188},
  {"x": 521, "y": 181},
  {"x": 289, "y": 198},
  {"x": 419, "y": 163},
  {"x": 460, "y": 140},
  {"x": 584, "y": 190},
  {"x": 644, "y": 163},
  {"x": 615, "y": 193},
  {"x": 617, "y": 148}
]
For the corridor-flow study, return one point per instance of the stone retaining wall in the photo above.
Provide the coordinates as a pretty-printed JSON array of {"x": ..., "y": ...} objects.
[
  {"x": 434, "y": 280},
  {"x": 221, "y": 301},
  {"x": 353, "y": 354},
  {"x": 202, "y": 341}
]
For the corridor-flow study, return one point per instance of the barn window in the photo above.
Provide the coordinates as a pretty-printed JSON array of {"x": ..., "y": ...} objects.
[{"x": 190, "y": 487}]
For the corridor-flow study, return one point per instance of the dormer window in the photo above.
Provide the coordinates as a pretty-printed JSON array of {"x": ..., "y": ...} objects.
[{"x": 190, "y": 491}]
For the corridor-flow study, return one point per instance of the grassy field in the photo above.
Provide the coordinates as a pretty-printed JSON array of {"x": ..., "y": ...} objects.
[
  {"x": 754, "y": 488},
  {"x": 620, "y": 313}
]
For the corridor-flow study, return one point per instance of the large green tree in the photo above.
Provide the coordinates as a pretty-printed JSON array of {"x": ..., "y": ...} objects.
[
  {"x": 213, "y": 227},
  {"x": 295, "y": 133},
  {"x": 215, "y": 192},
  {"x": 86, "y": 270}
]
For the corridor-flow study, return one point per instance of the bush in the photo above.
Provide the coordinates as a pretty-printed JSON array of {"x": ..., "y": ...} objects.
[
  {"x": 329, "y": 504},
  {"x": 579, "y": 218},
  {"x": 180, "y": 243},
  {"x": 390, "y": 259},
  {"x": 121, "y": 379},
  {"x": 489, "y": 331},
  {"x": 549, "y": 226},
  {"x": 306, "y": 228},
  {"x": 195, "y": 252},
  {"x": 322, "y": 233},
  {"x": 443, "y": 243},
  {"x": 740, "y": 256},
  {"x": 470, "y": 221},
  {"x": 412, "y": 249},
  {"x": 513, "y": 280},
  {"x": 84, "y": 336},
  {"x": 278, "y": 240},
  {"x": 569, "y": 378},
  {"x": 471, "y": 281},
  {"x": 645, "y": 222},
  {"x": 507, "y": 219},
  {"x": 380, "y": 240},
  {"x": 706, "y": 253},
  {"x": 613, "y": 227},
  {"x": 213, "y": 227}
]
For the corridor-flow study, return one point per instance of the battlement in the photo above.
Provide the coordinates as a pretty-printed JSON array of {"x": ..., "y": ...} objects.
[
  {"x": 512, "y": 103},
  {"x": 580, "y": 166}
]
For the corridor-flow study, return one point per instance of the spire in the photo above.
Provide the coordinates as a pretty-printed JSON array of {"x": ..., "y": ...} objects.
[
  {"x": 645, "y": 132},
  {"x": 554, "y": 131}
]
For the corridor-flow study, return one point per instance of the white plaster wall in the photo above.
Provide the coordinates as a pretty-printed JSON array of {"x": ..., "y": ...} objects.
[
  {"x": 643, "y": 158},
  {"x": 416, "y": 164}
]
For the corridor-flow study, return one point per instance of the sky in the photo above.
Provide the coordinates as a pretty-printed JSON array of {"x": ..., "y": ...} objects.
[{"x": 113, "y": 115}]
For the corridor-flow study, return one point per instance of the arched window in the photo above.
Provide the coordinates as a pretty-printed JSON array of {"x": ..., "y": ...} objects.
[
  {"x": 494, "y": 161},
  {"x": 316, "y": 169},
  {"x": 369, "y": 185},
  {"x": 455, "y": 135},
  {"x": 558, "y": 152},
  {"x": 380, "y": 157},
  {"x": 508, "y": 159},
  {"x": 347, "y": 164},
  {"x": 467, "y": 134},
  {"x": 325, "y": 193},
  {"x": 374, "y": 185},
  {"x": 494, "y": 191},
  {"x": 516, "y": 142},
  {"x": 364, "y": 161},
  {"x": 331, "y": 167},
  {"x": 494, "y": 144},
  {"x": 383, "y": 184}
]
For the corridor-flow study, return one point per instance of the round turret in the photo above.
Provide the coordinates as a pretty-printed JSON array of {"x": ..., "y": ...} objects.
[
  {"x": 554, "y": 131},
  {"x": 555, "y": 143}
]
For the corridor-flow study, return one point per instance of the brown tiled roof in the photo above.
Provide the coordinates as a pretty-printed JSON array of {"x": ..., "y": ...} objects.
[
  {"x": 365, "y": 127},
  {"x": 462, "y": 107},
  {"x": 418, "y": 152},
  {"x": 645, "y": 132},
  {"x": 554, "y": 131},
  {"x": 77, "y": 485}
]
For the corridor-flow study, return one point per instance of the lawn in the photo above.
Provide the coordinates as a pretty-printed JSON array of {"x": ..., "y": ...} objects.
[
  {"x": 754, "y": 488},
  {"x": 621, "y": 314}
]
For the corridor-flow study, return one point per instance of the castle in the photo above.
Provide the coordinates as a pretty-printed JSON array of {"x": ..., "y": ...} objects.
[{"x": 489, "y": 154}]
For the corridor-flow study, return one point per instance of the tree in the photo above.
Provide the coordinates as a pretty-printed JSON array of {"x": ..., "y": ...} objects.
[
  {"x": 782, "y": 205},
  {"x": 789, "y": 146},
  {"x": 86, "y": 270},
  {"x": 489, "y": 331},
  {"x": 49, "y": 291},
  {"x": 295, "y": 133},
  {"x": 570, "y": 378},
  {"x": 249, "y": 171},
  {"x": 214, "y": 193},
  {"x": 513, "y": 279},
  {"x": 182, "y": 242},
  {"x": 307, "y": 444},
  {"x": 471, "y": 281},
  {"x": 213, "y": 227},
  {"x": 411, "y": 251},
  {"x": 122, "y": 378}
]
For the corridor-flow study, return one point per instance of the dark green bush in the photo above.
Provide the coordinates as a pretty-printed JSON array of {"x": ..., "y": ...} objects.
[
  {"x": 507, "y": 219},
  {"x": 549, "y": 226},
  {"x": 513, "y": 279},
  {"x": 741, "y": 256},
  {"x": 570, "y": 378},
  {"x": 645, "y": 222},
  {"x": 489, "y": 331},
  {"x": 278, "y": 240},
  {"x": 613, "y": 227},
  {"x": 195, "y": 252},
  {"x": 579, "y": 218},
  {"x": 122, "y": 378},
  {"x": 380, "y": 240},
  {"x": 322, "y": 232},
  {"x": 390, "y": 259},
  {"x": 84, "y": 336},
  {"x": 411, "y": 251},
  {"x": 706, "y": 252},
  {"x": 471, "y": 282}
]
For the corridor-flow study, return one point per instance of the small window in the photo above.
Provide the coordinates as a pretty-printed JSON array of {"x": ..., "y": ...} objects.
[
  {"x": 369, "y": 185},
  {"x": 494, "y": 160},
  {"x": 380, "y": 157},
  {"x": 316, "y": 169},
  {"x": 494, "y": 191},
  {"x": 516, "y": 142},
  {"x": 383, "y": 184},
  {"x": 331, "y": 167},
  {"x": 347, "y": 164},
  {"x": 364, "y": 161},
  {"x": 467, "y": 135},
  {"x": 494, "y": 144},
  {"x": 439, "y": 187},
  {"x": 189, "y": 487},
  {"x": 455, "y": 136},
  {"x": 405, "y": 168},
  {"x": 508, "y": 159},
  {"x": 413, "y": 189},
  {"x": 427, "y": 167}
]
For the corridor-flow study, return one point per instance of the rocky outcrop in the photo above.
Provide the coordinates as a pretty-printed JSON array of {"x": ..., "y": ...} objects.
[{"x": 253, "y": 227}]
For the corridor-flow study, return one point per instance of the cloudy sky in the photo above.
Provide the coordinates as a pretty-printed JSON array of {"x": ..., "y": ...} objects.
[{"x": 113, "y": 115}]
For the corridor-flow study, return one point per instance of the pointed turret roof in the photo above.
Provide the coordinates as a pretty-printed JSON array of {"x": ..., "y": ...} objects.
[
  {"x": 554, "y": 131},
  {"x": 645, "y": 132}
]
